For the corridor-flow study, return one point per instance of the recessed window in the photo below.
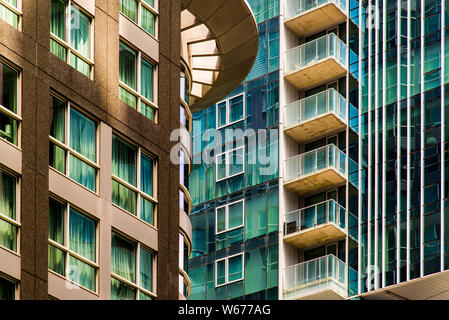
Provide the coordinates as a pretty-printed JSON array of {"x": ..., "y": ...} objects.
[
  {"x": 71, "y": 35},
  {"x": 230, "y": 163},
  {"x": 141, "y": 12},
  {"x": 132, "y": 269},
  {"x": 9, "y": 102},
  {"x": 229, "y": 269},
  {"x": 133, "y": 180},
  {"x": 7, "y": 289},
  {"x": 231, "y": 110},
  {"x": 9, "y": 226},
  {"x": 72, "y": 244},
  {"x": 229, "y": 217},
  {"x": 137, "y": 81},
  {"x": 73, "y": 143},
  {"x": 10, "y": 12}
]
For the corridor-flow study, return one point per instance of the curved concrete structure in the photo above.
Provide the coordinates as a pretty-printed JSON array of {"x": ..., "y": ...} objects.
[{"x": 219, "y": 42}]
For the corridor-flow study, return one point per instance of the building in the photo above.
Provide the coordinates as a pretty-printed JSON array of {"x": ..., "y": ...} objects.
[
  {"x": 94, "y": 201},
  {"x": 358, "y": 94}
]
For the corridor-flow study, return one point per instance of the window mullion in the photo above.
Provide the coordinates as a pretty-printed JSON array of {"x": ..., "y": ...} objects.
[
  {"x": 138, "y": 270},
  {"x": 67, "y": 138},
  {"x": 66, "y": 226},
  {"x": 68, "y": 29},
  {"x": 139, "y": 187}
]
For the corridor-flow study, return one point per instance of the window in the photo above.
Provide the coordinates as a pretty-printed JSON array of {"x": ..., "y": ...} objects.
[
  {"x": 183, "y": 264},
  {"x": 7, "y": 289},
  {"x": 136, "y": 81},
  {"x": 132, "y": 180},
  {"x": 230, "y": 111},
  {"x": 230, "y": 163},
  {"x": 9, "y": 102},
  {"x": 73, "y": 144},
  {"x": 72, "y": 248},
  {"x": 229, "y": 269},
  {"x": 132, "y": 270},
  {"x": 9, "y": 226},
  {"x": 229, "y": 217},
  {"x": 141, "y": 12},
  {"x": 70, "y": 35},
  {"x": 10, "y": 12}
]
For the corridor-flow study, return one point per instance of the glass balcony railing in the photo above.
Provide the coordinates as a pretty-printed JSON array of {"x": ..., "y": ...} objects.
[
  {"x": 318, "y": 275},
  {"x": 297, "y": 7},
  {"x": 319, "y": 214},
  {"x": 314, "y": 51}
]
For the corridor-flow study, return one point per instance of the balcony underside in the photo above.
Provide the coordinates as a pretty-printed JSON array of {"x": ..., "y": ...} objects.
[
  {"x": 315, "y": 182},
  {"x": 316, "y": 74},
  {"x": 315, "y": 128},
  {"x": 322, "y": 289},
  {"x": 316, "y": 20},
  {"x": 314, "y": 236}
]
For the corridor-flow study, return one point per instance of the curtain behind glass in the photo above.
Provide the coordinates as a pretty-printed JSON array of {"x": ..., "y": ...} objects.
[
  {"x": 127, "y": 65},
  {"x": 81, "y": 273},
  {"x": 8, "y": 87},
  {"x": 82, "y": 135},
  {"x": 148, "y": 21},
  {"x": 82, "y": 235},
  {"x": 146, "y": 270},
  {"x": 147, "y": 80},
  {"x": 123, "y": 160},
  {"x": 129, "y": 9},
  {"x": 146, "y": 174},
  {"x": 79, "y": 32},
  {"x": 123, "y": 260},
  {"x": 121, "y": 291},
  {"x": 57, "y": 22},
  {"x": 8, "y": 232},
  {"x": 7, "y": 290},
  {"x": 56, "y": 221},
  {"x": 57, "y": 130}
]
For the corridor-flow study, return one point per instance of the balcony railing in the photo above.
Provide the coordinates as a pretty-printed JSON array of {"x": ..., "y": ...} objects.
[
  {"x": 315, "y": 51},
  {"x": 320, "y": 214},
  {"x": 297, "y": 7},
  {"x": 325, "y": 274}
]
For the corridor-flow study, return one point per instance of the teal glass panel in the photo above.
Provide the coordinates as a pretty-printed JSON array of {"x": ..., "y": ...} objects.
[
  {"x": 198, "y": 277},
  {"x": 145, "y": 109},
  {"x": 235, "y": 215},
  {"x": 121, "y": 291},
  {"x": 82, "y": 235},
  {"x": 236, "y": 109},
  {"x": 56, "y": 260},
  {"x": 146, "y": 210},
  {"x": 147, "y": 72},
  {"x": 255, "y": 270},
  {"x": 57, "y": 19},
  {"x": 127, "y": 66},
  {"x": 123, "y": 258},
  {"x": 129, "y": 9},
  {"x": 221, "y": 114},
  {"x": 124, "y": 197},
  {"x": 255, "y": 215},
  {"x": 83, "y": 173},
  {"x": 56, "y": 221},
  {"x": 146, "y": 174},
  {"x": 235, "y": 268},
  {"x": 124, "y": 158},
  {"x": 272, "y": 266},
  {"x": 221, "y": 272},
  {"x": 221, "y": 219},
  {"x": 148, "y": 21},
  {"x": 81, "y": 273},
  {"x": 221, "y": 166},
  {"x": 237, "y": 158},
  {"x": 146, "y": 270}
]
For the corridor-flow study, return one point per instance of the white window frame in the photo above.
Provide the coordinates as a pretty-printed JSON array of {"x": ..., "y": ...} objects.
[
  {"x": 226, "y": 206},
  {"x": 227, "y": 162},
  {"x": 153, "y": 10},
  {"x": 137, "y": 92},
  {"x": 137, "y": 285},
  {"x": 66, "y": 247},
  {"x": 137, "y": 189},
  {"x": 227, "y": 270},
  {"x": 17, "y": 10},
  {"x": 14, "y": 281},
  {"x": 69, "y": 151},
  {"x": 14, "y": 222},
  {"x": 67, "y": 43},
  {"x": 228, "y": 110}
]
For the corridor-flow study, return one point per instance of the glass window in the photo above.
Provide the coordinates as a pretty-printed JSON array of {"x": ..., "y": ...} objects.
[
  {"x": 138, "y": 95},
  {"x": 132, "y": 270},
  {"x": 132, "y": 194},
  {"x": 9, "y": 225},
  {"x": 9, "y": 12},
  {"x": 73, "y": 153},
  {"x": 230, "y": 163},
  {"x": 7, "y": 289},
  {"x": 141, "y": 12},
  {"x": 230, "y": 216},
  {"x": 229, "y": 270},
  {"x": 71, "y": 42},
  {"x": 231, "y": 110},
  {"x": 9, "y": 119},
  {"x": 72, "y": 255}
]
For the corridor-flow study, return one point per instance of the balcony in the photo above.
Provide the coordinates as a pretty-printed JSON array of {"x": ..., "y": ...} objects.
[
  {"x": 316, "y": 116},
  {"x": 307, "y": 17},
  {"x": 324, "y": 278},
  {"x": 316, "y": 62},
  {"x": 323, "y": 222},
  {"x": 318, "y": 169}
]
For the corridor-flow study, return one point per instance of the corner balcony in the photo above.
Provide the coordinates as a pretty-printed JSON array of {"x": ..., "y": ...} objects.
[
  {"x": 314, "y": 225},
  {"x": 307, "y": 17},
  {"x": 317, "y": 169},
  {"x": 324, "y": 278},
  {"x": 316, "y": 116},
  {"x": 316, "y": 62}
]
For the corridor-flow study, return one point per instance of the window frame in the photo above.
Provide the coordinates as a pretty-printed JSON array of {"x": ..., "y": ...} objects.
[
  {"x": 139, "y": 246},
  {"x": 67, "y": 43},
  {"x": 16, "y": 10},
  {"x": 226, "y": 206},
  {"x": 227, "y": 100},
  {"x": 242, "y": 254},
  {"x": 15, "y": 116},
  {"x": 13, "y": 281},
  {"x": 14, "y": 222},
  {"x": 137, "y": 92},
  {"x": 66, "y": 247},
  {"x": 154, "y": 10},
  {"x": 137, "y": 189},
  {"x": 227, "y": 163},
  {"x": 66, "y": 145}
]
